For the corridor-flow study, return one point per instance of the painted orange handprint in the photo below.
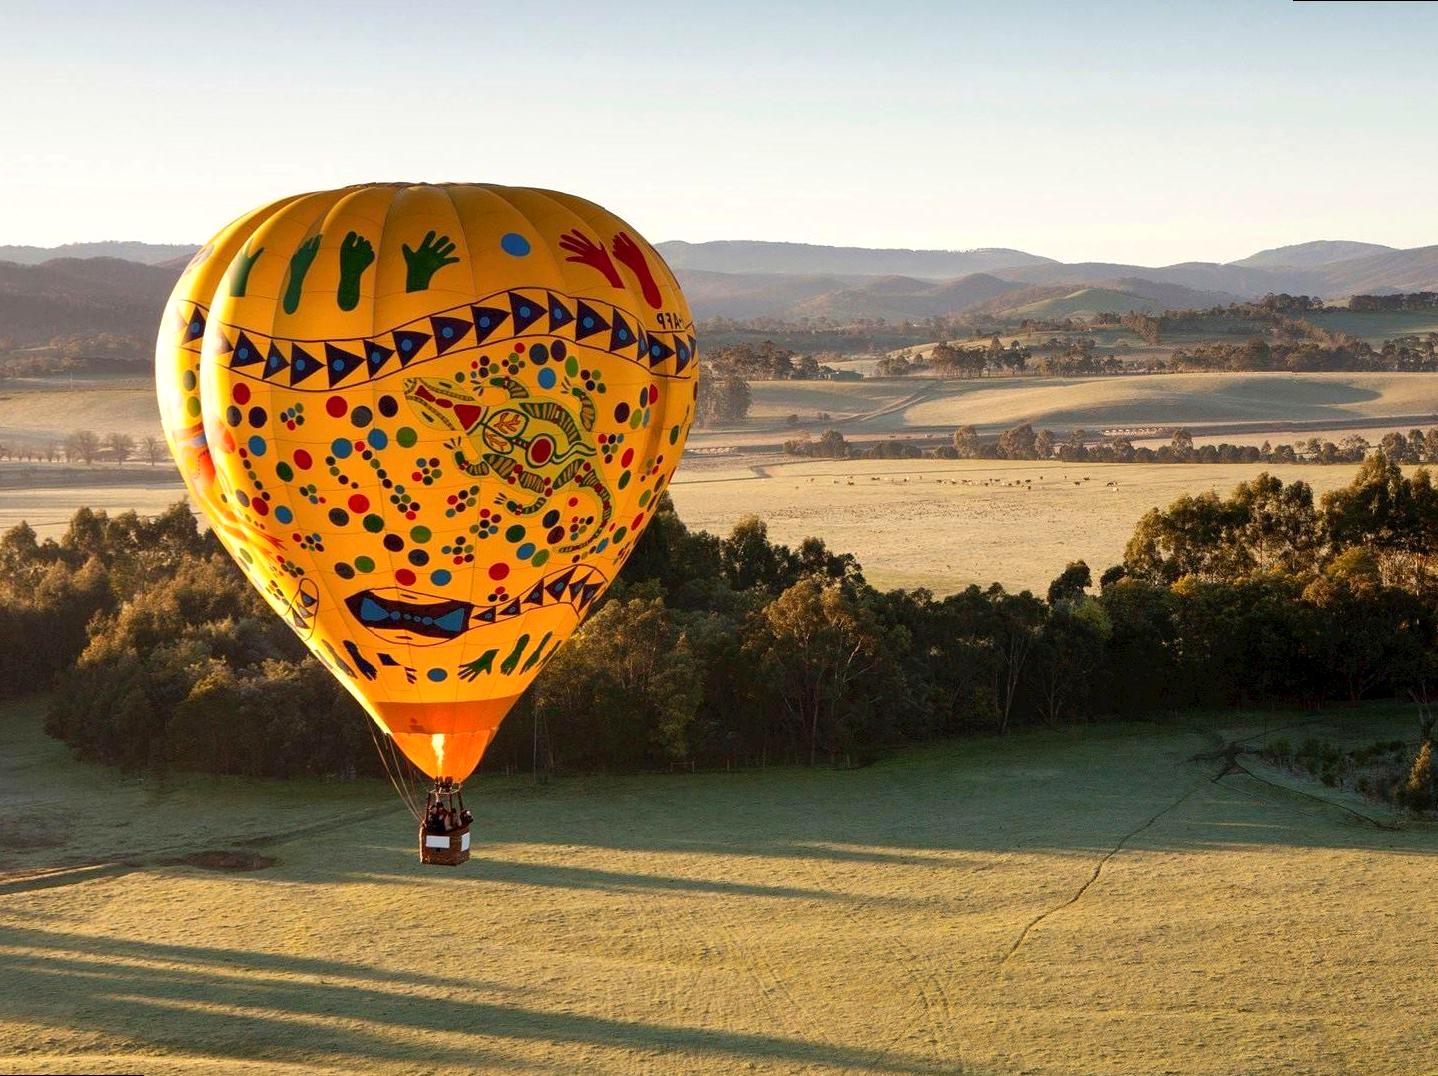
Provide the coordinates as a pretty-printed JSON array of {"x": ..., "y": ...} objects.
[
  {"x": 629, "y": 254},
  {"x": 586, "y": 251}
]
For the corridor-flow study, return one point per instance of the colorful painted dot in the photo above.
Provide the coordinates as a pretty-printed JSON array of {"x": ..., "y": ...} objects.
[
  {"x": 514, "y": 244},
  {"x": 336, "y": 406},
  {"x": 364, "y": 564},
  {"x": 377, "y": 439},
  {"x": 257, "y": 445},
  {"x": 440, "y": 577},
  {"x": 499, "y": 571},
  {"x": 437, "y": 675},
  {"x": 406, "y": 437},
  {"x": 404, "y": 577},
  {"x": 284, "y": 515},
  {"x": 341, "y": 448},
  {"x": 546, "y": 379}
]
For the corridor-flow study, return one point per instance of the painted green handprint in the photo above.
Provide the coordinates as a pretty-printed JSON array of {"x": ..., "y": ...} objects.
[
  {"x": 300, "y": 263},
  {"x": 240, "y": 275},
  {"x": 432, "y": 256},
  {"x": 356, "y": 255}
]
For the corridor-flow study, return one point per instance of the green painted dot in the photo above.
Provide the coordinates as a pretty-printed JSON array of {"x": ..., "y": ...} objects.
[
  {"x": 619, "y": 535},
  {"x": 245, "y": 553},
  {"x": 539, "y": 558},
  {"x": 514, "y": 534},
  {"x": 189, "y": 381},
  {"x": 635, "y": 419},
  {"x": 673, "y": 435},
  {"x": 364, "y": 564},
  {"x": 192, "y": 405},
  {"x": 644, "y": 498},
  {"x": 419, "y": 534},
  {"x": 373, "y": 523},
  {"x": 624, "y": 479},
  {"x": 406, "y": 437},
  {"x": 284, "y": 470},
  {"x": 571, "y": 366}
]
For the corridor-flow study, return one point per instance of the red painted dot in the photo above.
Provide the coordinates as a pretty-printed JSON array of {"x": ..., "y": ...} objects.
[
  {"x": 359, "y": 503},
  {"x": 519, "y": 347},
  {"x": 241, "y": 393},
  {"x": 498, "y": 571},
  {"x": 404, "y": 577},
  {"x": 573, "y": 501},
  {"x": 336, "y": 406},
  {"x": 637, "y": 520},
  {"x": 303, "y": 460},
  {"x": 628, "y": 457},
  {"x": 260, "y": 507}
]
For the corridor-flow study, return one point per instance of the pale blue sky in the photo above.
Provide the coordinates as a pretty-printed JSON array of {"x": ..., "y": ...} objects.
[{"x": 1144, "y": 132}]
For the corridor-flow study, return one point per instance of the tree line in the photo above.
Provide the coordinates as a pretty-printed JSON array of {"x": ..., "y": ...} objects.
[
  {"x": 1023, "y": 442},
  {"x": 87, "y": 446},
  {"x": 740, "y": 651}
]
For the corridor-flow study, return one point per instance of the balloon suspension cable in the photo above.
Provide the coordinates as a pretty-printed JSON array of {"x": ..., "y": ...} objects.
[{"x": 394, "y": 770}]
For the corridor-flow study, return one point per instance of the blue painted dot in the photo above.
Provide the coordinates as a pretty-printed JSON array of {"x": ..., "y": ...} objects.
[
  {"x": 375, "y": 356},
  {"x": 624, "y": 334},
  {"x": 589, "y": 323},
  {"x": 243, "y": 353},
  {"x": 257, "y": 445},
  {"x": 395, "y": 614},
  {"x": 602, "y": 546},
  {"x": 405, "y": 345},
  {"x": 284, "y": 515},
  {"x": 446, "y": 332},
  {"x": 338, "y": 364},
  {"x": 427, "y": 620},
  {"x": 654, "y": 350},
  {"x": 194, "y": 326},
  {"x": 437, "y": 675},
  {"x": 484, "y": 322},
  {"x": 525, "y": 551},
  {"x": 514, "y": 244},
  {"x": 377, "y": 439},
  {"x": 341, "y": 448},
  {"x": 440, "y": 577},
  {"x": 546, "y": 378},
  {"x": 524, "y": 311}
]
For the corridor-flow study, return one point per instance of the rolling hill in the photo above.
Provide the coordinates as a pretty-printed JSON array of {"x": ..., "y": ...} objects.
[
  {"x": 749, "y": 256},
  {"x": 1312, "y": 255},
  {"x": 81, "y": 295}
]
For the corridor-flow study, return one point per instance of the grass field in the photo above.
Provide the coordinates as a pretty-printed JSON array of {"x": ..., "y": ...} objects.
[
  {"x": 1079, "y": 901},
  {"x": 944, "y": 524}
]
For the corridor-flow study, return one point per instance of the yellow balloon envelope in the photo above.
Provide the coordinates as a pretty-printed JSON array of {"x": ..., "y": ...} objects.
[{"x": 430, "y": 423}]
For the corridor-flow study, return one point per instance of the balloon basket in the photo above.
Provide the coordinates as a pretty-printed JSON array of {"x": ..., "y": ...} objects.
[
  {"x": 444, "y": 826},
  {"x": 444, "y": 849}
]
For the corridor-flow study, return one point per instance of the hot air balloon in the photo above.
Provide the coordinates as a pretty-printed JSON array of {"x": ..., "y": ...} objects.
[{"x": 429, "y": 422}]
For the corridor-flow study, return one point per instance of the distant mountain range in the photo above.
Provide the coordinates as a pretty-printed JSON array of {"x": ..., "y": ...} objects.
[
  {"x": 144, "y": 253},
  {"x": 121, "y": 287}
]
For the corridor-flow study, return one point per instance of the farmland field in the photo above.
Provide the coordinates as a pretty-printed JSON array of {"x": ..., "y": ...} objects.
[
  {"x": 1088, "y": 900},
  {"x": 944, "y": 524},
  {"x": 941, "y": 524}
]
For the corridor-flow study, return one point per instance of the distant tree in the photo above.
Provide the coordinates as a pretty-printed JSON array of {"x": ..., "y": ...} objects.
[
  {"x": 82, "y": 446},
  {"x": 153, "y": 448},
  {"x": 1071, "y": 583},
  {"x": 967, "y": 443},
  {"x": 119, "y": 446}
]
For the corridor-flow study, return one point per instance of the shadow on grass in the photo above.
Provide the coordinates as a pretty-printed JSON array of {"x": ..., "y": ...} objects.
[{"x": 228, "y": 1003}]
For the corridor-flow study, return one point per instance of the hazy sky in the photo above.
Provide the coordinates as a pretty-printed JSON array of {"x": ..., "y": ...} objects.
[{"x": 1145, "y": 132}]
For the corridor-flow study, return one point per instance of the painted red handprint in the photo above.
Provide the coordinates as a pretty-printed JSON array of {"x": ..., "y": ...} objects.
[
  {"x": 629, "y": 254},
  {"x": 586, "y": 251}
]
